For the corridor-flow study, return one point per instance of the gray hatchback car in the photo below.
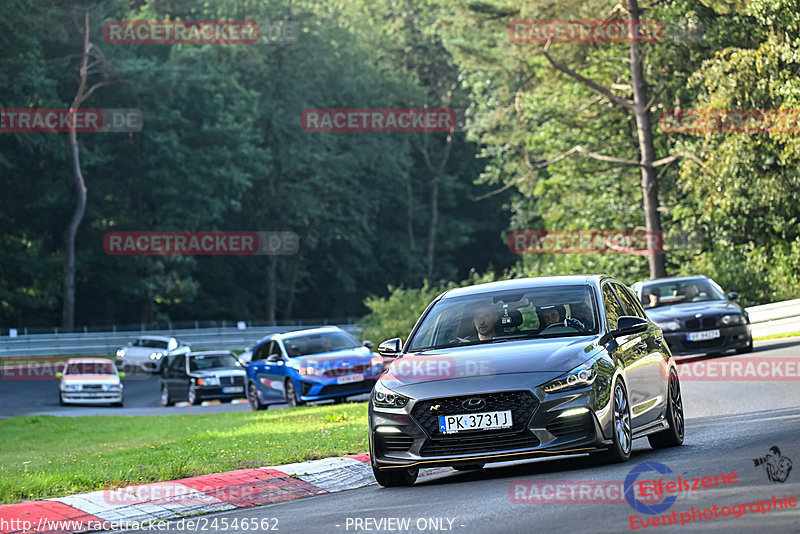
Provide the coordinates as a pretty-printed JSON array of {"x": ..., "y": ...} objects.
[{"x": 524, "y": 368}]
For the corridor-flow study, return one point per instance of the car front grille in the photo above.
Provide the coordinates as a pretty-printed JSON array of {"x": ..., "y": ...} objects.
[
  {"x": 231, "y": 381},
  {"x": 705, "y": 344},
  {"x": 346, "y": 388},
  {"x": 696, "y": 324},
  {"x": 521, "y": 403}
]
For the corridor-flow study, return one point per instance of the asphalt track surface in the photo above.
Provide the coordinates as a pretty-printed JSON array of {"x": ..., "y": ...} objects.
[
  {"x": 728, "y": 425},
  {"x": 141, "y": 392}
]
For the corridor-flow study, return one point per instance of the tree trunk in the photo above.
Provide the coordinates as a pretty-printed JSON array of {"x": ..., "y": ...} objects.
[
  {"x": 434, "y": 222},
  {"x": 292, "y": 288},
  {"x": 272, "y": 267},
  {"x": 647, "y": 151}
]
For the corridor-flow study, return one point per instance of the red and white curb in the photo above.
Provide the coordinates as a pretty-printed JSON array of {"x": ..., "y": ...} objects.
[{"x": 147, "y": 503}]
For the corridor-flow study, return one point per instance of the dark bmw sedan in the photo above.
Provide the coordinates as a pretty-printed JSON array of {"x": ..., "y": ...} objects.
[
  {"x": 524, "y": 368},
  {"x": 697, "y": 317},
  {"x": 199, "y": 376}
]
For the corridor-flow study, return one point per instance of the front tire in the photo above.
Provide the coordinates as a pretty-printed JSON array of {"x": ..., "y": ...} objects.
[
  {"x": 673, "y": 436},
  {"x": 396, "y": 477},
  {"x": 61, "y": 399},
  {"x": 252, "y": 398},
  {"x": 291, "y": 395},
  {"x": 165, "y": 398},
  {"x": 193, "y": 397},
  {"x": 620, "y": 450}
]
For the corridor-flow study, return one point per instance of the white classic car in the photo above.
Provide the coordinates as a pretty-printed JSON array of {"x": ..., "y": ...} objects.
[{"x": 90, "y": 381}]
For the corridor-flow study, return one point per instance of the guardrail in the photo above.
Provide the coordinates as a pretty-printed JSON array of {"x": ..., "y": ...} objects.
[
  {"x": 775, "y": 318},
  {"x": 107, "y": 343}
]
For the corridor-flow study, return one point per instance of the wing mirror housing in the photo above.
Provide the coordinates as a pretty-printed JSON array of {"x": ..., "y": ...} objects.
[
  {"x": 733, "y": 295},
  {"x": 274, "y": 358},
  {"x": 59, "y": 375},
  {"x": 369, "y": 344},
  {"x": 390, "y": 348},
  {"x": 627, "y": 325}
]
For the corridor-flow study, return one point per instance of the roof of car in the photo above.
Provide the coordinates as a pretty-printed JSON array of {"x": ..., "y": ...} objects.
[
  {"x": 87, "y": 359},
  {"x": 673, "y": 279},
  {"x": 209, "y": 352},
  {"x": 157, "y": 338},
  {"x": 527, "y": 283}
]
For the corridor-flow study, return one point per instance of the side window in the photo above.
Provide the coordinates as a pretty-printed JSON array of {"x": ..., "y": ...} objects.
[
  {"x": 612, "y": 306},
  {"x": 138, "y": 343},
  {"x": 274, "y": 348},
  {"x": 177, "y": 364},
  {"x": 261, "y": 351},
  {"x": 629, "y": 302}
]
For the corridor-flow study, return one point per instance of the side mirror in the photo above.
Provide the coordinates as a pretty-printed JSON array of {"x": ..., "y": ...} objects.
[
  {"x": 369, "y": 344},
  {"x": 627, "y": 325},
  {"x": 274, "y": 358},
  {"x": 733, "y": 295},
  {"x": 122, "y": 375},
  {"x": 59, "y": 375},
  {"x": 390, "y": 348}
]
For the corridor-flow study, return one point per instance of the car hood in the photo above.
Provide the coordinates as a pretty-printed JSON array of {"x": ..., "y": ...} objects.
[
  {"x": 524, "y": 363},
  {"x": 358, "y": 355},
  {"x": 676, "y": 311},
  {"x": 91, "y": 379}
]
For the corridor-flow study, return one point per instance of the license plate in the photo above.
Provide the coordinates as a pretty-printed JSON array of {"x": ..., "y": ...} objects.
[
  {"x": 233, "y": 389},
  {"x": 350, "y": 378},
  {"x": 702, "y": 336},
  {"x": 452, "y": 424}
]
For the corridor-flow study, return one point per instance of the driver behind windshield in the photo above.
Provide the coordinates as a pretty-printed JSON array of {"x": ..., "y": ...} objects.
[
  {"x": 550, "y": 315},
  {"x": 485, "y": 320}
]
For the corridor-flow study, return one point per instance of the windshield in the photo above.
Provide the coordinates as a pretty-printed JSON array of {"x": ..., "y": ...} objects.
[
  {"x": 319, "y": 343},
  {"x": 498, "y": 316},
  {"x": 90, "y": 368},
  {"x": 678, "y": 292},
  {"x": 203, "y": 362}
]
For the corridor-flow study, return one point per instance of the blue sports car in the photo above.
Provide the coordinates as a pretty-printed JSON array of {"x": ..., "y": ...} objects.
[{"x": 310, "y": 365}]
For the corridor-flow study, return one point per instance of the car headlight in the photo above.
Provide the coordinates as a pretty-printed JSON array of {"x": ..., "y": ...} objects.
[
  {"x": 384, "y": 397},
  {"x": 111, "y": 387},
  {"x": 669, "y": 326},
  {"x": 580, "y": 377},
  {"x": 733, "y": 319},
  {"x": 156, "y": 355},
  {"x": 208, "y": 381},
  {"x": 120, "y": 353},
  {"x": 71, "y": 387}
]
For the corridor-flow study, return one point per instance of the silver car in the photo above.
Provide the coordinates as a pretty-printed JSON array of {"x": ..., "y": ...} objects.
[{"x": 148, "y": 353}]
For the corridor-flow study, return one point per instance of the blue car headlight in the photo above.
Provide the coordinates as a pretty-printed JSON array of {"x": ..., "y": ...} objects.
[
  {"x": 384, "y": 397},
  {"x": 580, "y": 377}
]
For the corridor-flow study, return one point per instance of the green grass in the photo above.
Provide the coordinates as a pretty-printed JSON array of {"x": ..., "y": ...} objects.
[
  {"x": 777, "y": 336},
  {"x": 45, "y": 456}
]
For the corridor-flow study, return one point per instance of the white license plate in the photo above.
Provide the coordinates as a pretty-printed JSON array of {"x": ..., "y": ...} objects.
[
  {"x": 451, "y": 424},
  {"x": 703, "y": 336},
  {"x": 233, "y": 389},
  {"x": 350, "y": 378}
]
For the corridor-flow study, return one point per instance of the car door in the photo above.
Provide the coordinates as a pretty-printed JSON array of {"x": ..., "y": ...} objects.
[
  {"x": 628, "y": 351},
  {"x": 650, "y": 361},
  {"x": 267, "y": 374},
  {"x": 174, "y": 377}
]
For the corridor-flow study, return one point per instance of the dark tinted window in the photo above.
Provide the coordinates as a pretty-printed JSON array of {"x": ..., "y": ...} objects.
[
  {"x": 203, "y": 362},
  {"x": 177, "y": 364},
  {"x": 261, "y": 351},
  {"x": 612, "y": 306},
  {"x": 629, "y": 302},
  {"x": 319, "y": 343}
]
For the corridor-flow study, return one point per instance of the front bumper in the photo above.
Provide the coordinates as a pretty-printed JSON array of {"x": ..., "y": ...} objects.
[
  {"x": 148, "y": 365},
  {"x": 91, "y": 397},
  {"x": 216, "y": 393},
  {"x": 540, "y": 428},
  {"x": 314, "y": 390},
  {"x": 731, "y": 337}
]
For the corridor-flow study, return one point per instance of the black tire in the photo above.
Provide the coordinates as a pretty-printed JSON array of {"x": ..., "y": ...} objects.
[
  {"x": 746, "y": 349},
  {"x": 394, "y": 478},
  {"x": 117, "y": 404},
  {"x": 291, "y": 395},
  {"x": 468, "y": 467},
  {"x": 620, "y": 450},
  {"x": 193, "y": 397},
  {"x": 166, "y": 400},
  {"x": 61, "y": 399},
  {"x": 673, "y": 436},
  {"x": 253, "y": 400}
]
